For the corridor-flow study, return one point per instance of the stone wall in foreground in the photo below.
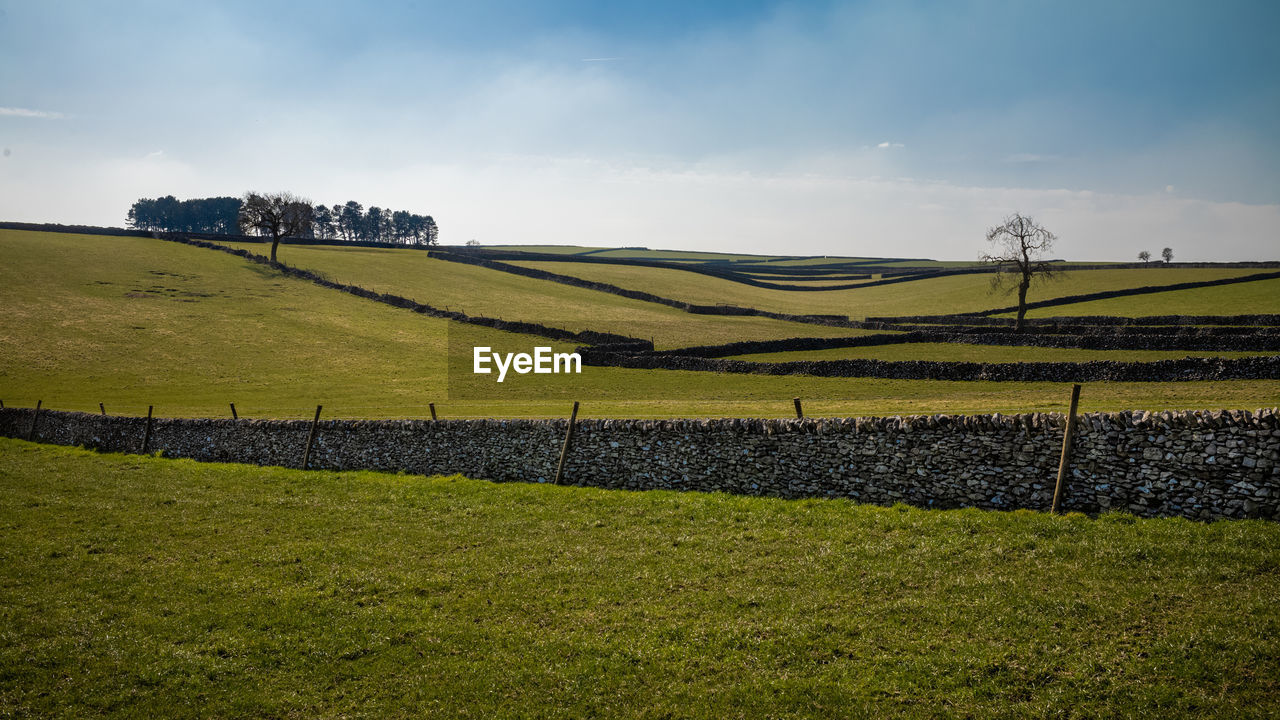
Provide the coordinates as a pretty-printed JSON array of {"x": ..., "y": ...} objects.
[{"x": 1202, "y": 465}]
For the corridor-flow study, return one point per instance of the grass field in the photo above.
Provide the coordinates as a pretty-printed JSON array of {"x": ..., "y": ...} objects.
[
  {"x": 1261, "y": 296},
  {"x": 985, "y": 353},
  {"x": 646, "y": 254},
  {"x": 133, "y": 322},
  {"x": 933, "y": 296},
  {"x": 481, "y": 291},
  {"x": 140, "y": 587}
]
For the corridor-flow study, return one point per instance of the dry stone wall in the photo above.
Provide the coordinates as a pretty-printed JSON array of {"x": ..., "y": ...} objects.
[{"x": 1200, "y": 465}]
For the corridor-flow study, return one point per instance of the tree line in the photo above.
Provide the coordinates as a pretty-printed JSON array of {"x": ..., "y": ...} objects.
[
  {"x": 203, "y": 215},
  {"x": 349, "y": 221}
]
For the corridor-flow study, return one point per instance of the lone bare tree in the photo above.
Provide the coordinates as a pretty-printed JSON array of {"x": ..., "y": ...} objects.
[
  {"x": 1144, "y": 256},
  {"x": 279, "y": 215},
  {"x": 1020, "y": 243},
  {"x": 1167, "y": 254}
]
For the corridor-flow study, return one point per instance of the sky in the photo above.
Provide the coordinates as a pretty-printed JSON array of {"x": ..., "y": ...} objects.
[{"x": 898, "y": 129}]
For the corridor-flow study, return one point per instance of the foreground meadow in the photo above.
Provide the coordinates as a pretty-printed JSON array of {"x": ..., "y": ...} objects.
[{"x": 141, "y": 587}]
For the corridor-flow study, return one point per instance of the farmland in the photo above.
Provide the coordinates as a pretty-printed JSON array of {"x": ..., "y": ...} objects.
[
  {"x": 480, "y": 291},
  {"x": 947, "y": 294},
  {"x": 139, "y": 586},
  {"x": 132, "y": 322}
]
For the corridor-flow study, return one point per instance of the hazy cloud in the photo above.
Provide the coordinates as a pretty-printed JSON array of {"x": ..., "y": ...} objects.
[
  {"x": 887, "y": 144},
  {"x": 28, "y": 113}
]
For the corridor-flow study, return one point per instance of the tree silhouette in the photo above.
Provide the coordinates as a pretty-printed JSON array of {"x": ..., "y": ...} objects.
[
  {"x": 1020, "y": 243},
  {"x": 279, "y": 215}
]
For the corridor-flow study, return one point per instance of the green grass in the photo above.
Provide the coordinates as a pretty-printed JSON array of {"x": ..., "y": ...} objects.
[
  {"x": 934, "y": 296},
  {"x": 141, "y": 587},
  {"x": 1257, "y": 297},
  {"x": 82, "y": 326},
  {"x": 549, "y": 249},
  {"x": 958, "y": 352},
  {"x": 492, "y": 293}
]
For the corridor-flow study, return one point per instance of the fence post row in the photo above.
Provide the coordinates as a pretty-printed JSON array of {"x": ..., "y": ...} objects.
[
  {"x": 568, "y": 440},
  {"x": 1067, "y": 437},
  {"x": 311, "y": 436}
]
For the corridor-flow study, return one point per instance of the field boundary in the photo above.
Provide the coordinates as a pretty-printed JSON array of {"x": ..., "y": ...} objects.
[
  {"x": 1265, "y": 367},
  {"x": 1198, "y": 464}
]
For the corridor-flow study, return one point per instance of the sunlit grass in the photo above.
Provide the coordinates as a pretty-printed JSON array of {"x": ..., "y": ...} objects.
[{"x": 143, "y": 587}]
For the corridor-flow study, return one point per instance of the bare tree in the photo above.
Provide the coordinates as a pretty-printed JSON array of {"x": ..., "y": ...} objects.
[
  {"x": 1167, "y": 254},
  {"x": 279, "y": 215},
  {"x": 1020, "y": 243},
  {"x": 1144, "y": 256}
]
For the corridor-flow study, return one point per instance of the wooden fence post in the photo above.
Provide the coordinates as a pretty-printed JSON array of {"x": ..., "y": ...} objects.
[
  {"x": 799, "y": 412},
  {"x": 1067, "y": 436},
  {"x": 433, "y": 410},
  {"x": 234, "y": 416},
  {"x": 31, "y": 433},
  {"x": 568, "y": 440},
  {"x": 311, "y": 436},
  {"x": 146, "y": 437},
  {"x": 102, "y": 409}
]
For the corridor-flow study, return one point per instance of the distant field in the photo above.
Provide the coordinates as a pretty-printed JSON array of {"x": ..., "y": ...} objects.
[
  {"x": 135, "y": 321},
  {"x": 142, "y": 587},
  {"x": 631, "y": 253},
  {"x": 818, "y": 262},
  {"x": 933, "y": 296},
  {"x": 557, "y": 249},
  {"x": 1258, "y": 297},
  {"x": 481, "y": 291},
  {"x": 984, "y": 353}
]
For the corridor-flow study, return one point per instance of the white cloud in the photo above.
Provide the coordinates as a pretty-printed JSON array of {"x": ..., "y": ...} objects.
[
  {"x": 28, "y": 113},
  {"x": 887, "y": 144}
]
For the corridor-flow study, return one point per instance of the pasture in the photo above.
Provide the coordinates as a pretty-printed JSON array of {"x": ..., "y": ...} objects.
[
  {"x": 132, "y": 322},
  {"x": 492, "y": 293},
  {"x": 930, "y": 296},
  {"x": 135, "y": 586}
]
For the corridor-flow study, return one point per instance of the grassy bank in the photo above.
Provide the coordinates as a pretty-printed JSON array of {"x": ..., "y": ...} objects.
[{"x": 134, "y": 586}]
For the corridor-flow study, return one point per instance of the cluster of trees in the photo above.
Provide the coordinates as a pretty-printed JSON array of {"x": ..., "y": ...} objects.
[
  {"x": 1166, "y": 253},
  {"x": 351, "y": 221},
  {"x": 262, "y": 213},
  {"x": 203, "y": 215}
]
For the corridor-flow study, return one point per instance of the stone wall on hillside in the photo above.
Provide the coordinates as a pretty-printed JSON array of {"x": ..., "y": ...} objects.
[
  {"x": 1262, "y": 367},
  {"x": 1200, "y": 465}
]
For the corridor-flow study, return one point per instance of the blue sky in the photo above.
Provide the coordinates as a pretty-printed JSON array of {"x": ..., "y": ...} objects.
[{"x": 865, "y": 128}]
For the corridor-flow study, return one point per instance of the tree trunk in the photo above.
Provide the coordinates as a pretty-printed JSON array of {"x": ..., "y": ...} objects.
[
  {"x": 1022, "y": 305},
  {"x": 275, "y": 243}
]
